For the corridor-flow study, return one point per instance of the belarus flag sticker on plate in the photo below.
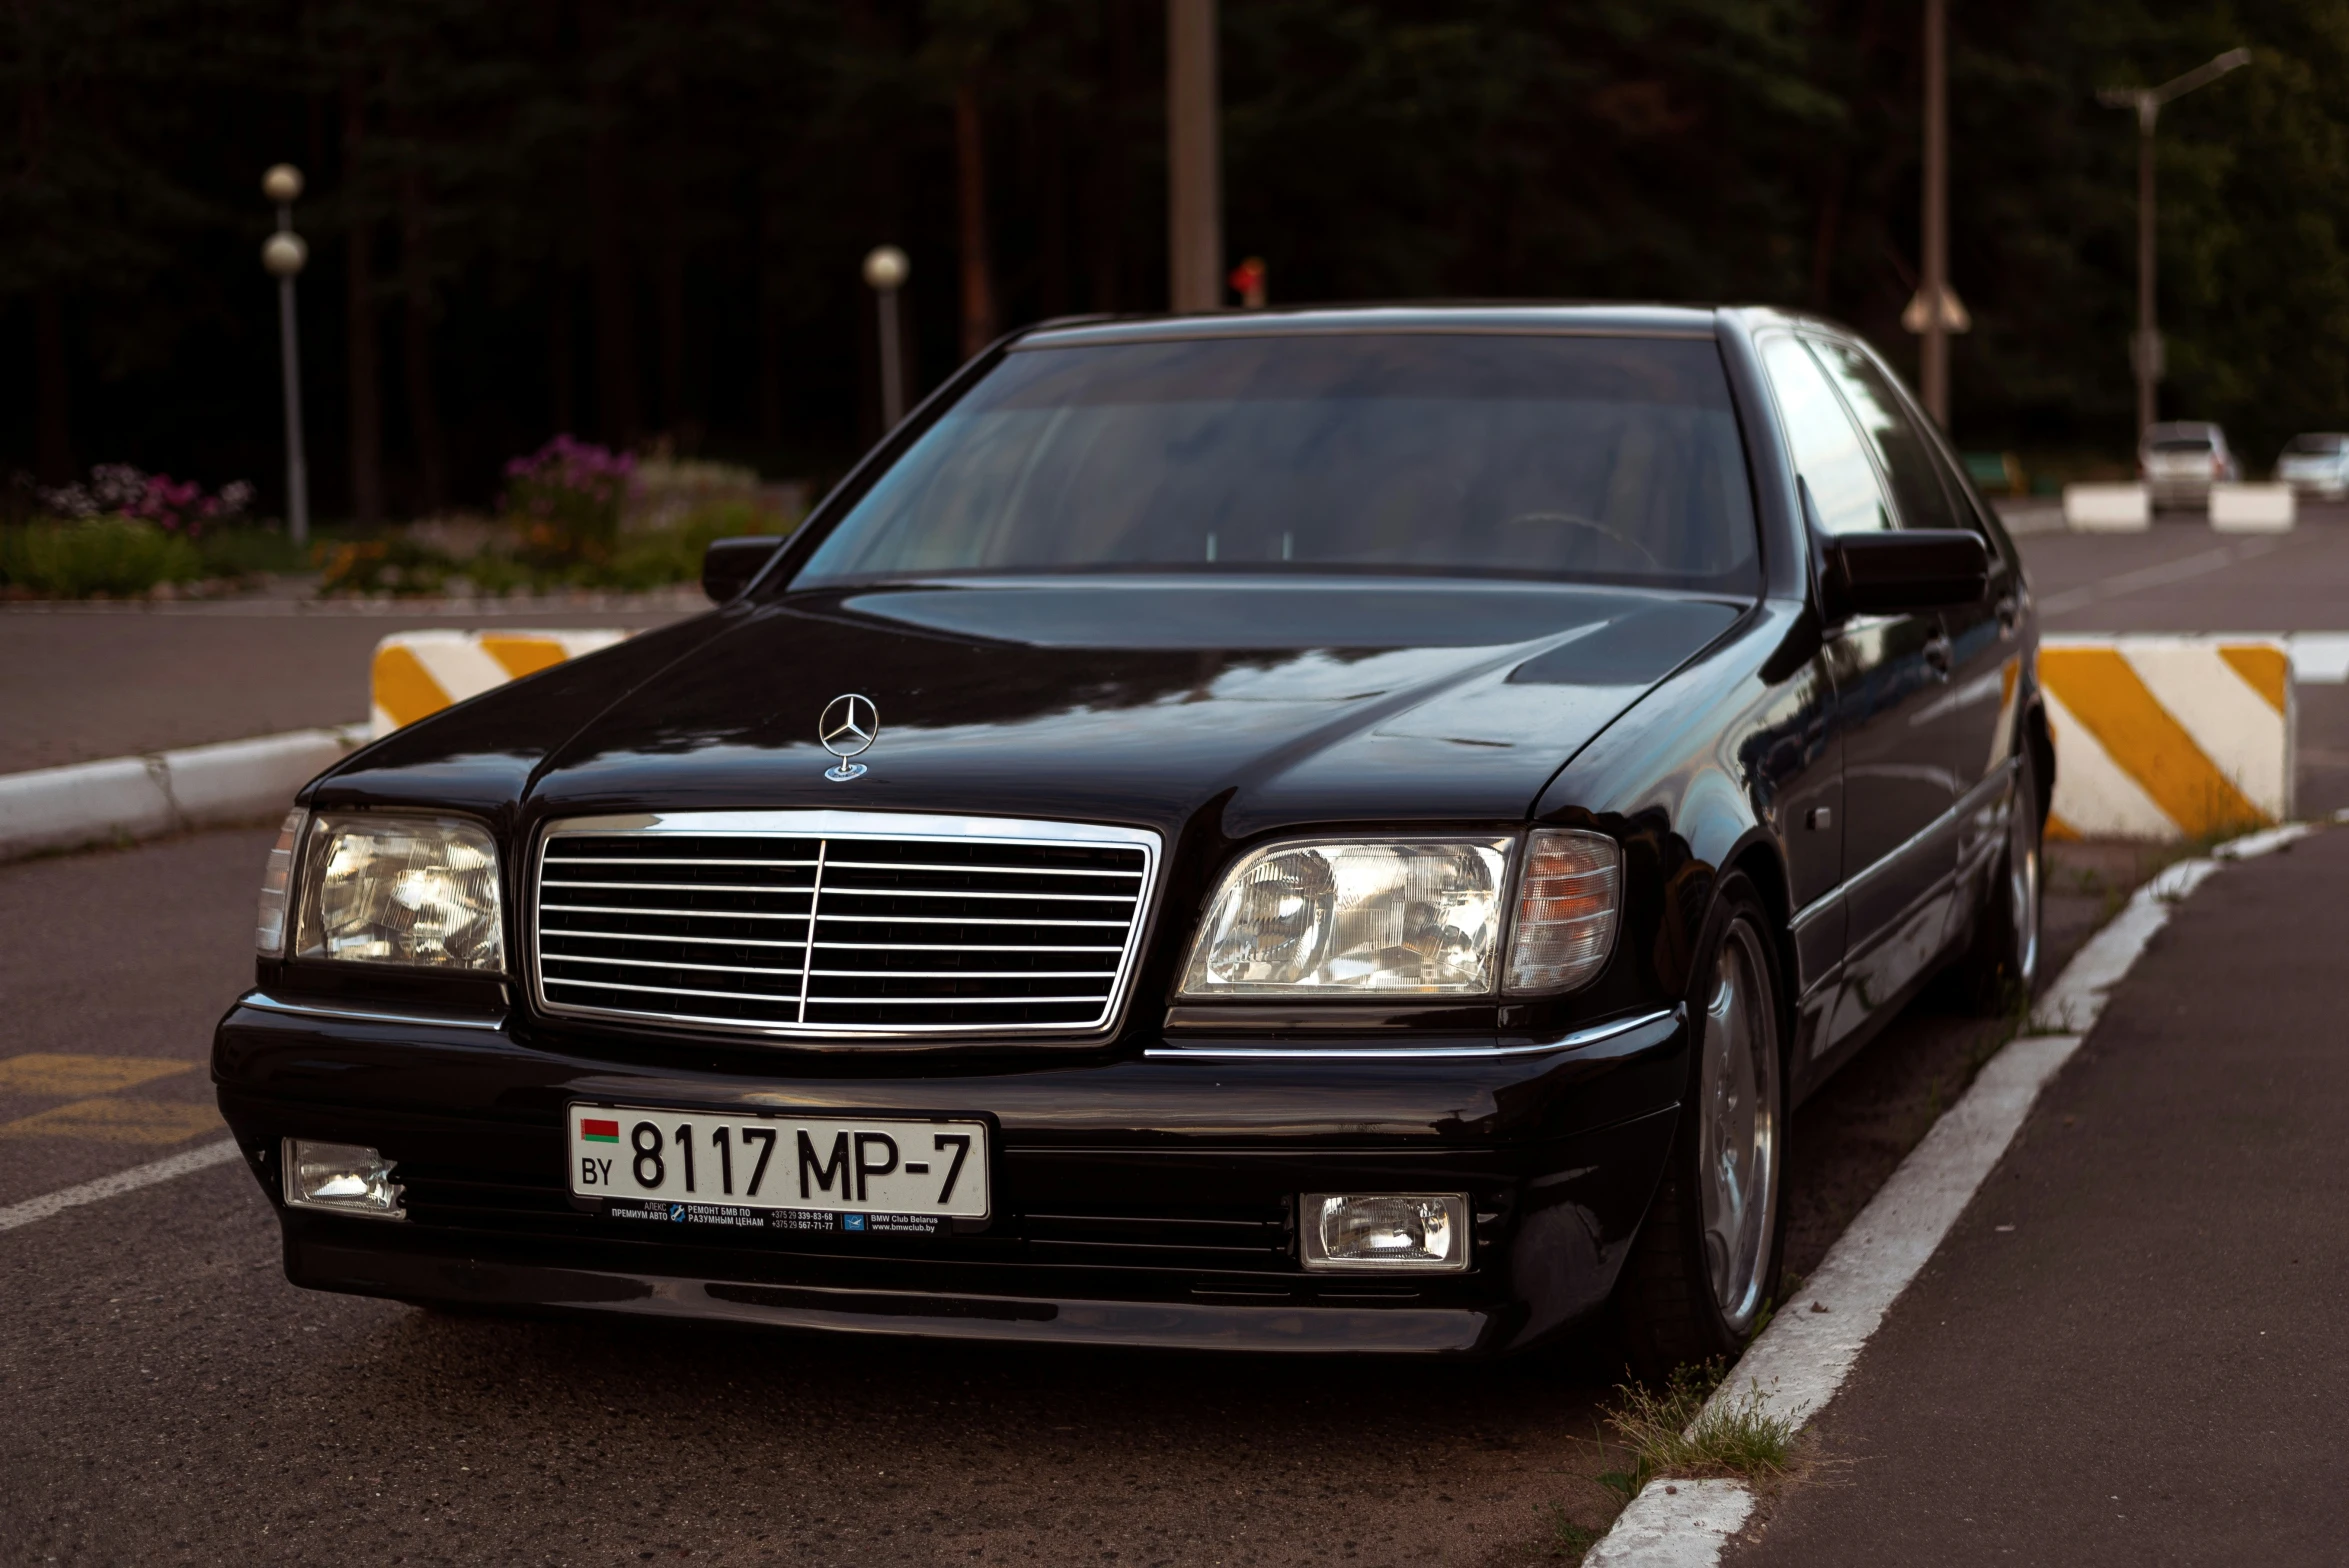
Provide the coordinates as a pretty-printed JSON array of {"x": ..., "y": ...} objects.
[{"x": 870, "y": 1165}]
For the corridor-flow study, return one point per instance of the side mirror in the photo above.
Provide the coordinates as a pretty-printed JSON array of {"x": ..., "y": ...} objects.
[
  {"x": 1903, "y": 571},
  {"x": 730, "y": 564}
]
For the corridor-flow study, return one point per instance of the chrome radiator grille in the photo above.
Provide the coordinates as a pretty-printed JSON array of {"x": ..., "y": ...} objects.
[{"x": 826, "y": 922}]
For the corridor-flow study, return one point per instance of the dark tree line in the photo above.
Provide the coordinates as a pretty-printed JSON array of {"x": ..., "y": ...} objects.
[{"x": 642, "y": 221}]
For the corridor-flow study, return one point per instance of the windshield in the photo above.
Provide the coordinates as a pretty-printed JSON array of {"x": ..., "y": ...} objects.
[
  {"x": 2314, "y": 446},
  {"x": 1606, "y": 459}
]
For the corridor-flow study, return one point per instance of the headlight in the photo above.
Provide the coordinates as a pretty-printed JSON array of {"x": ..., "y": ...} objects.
[
  {"x": 1568, "y": 903},
  {"x": 1401, "y": 917},
  {"x": 401, "y": 890}
]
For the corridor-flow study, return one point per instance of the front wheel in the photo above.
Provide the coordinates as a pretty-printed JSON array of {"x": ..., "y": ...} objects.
[{"x": 1706, "y": 1261}]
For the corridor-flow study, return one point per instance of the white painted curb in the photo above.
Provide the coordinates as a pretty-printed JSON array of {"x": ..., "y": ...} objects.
[
  {"x": 163, "y": 792},
  {"x": 1796, "y": 1365},
  {"x": 1684, "y": 1527}
]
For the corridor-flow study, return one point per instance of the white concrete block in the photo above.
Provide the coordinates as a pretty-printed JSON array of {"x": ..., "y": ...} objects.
[
  {"x": 2107, "y": 509},
  {"x": 2252, "y": 509}
]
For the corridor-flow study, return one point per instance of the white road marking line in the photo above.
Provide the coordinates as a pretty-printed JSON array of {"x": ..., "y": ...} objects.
[
  {"x": 120, "y": 1182},
  {"x": 2320, "y": 658},
  {"x": 1796, "y": 1365},
  {"x": 2151, "y": 577}
]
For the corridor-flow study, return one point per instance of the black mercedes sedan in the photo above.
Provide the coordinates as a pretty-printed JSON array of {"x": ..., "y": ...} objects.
[{"x": 1342, "y": 830}]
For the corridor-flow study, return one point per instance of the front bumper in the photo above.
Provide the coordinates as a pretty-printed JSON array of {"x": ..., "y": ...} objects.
[{"x": 1138, "y": 1200}]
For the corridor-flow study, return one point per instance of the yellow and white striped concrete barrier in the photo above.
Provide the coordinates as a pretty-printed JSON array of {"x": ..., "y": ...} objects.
[
  {"x": 416, "y": 674},
  {"x": 2168, "y": 737}
]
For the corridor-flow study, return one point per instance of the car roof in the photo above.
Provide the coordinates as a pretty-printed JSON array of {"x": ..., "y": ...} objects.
[{"x": 1684, "y": 321}]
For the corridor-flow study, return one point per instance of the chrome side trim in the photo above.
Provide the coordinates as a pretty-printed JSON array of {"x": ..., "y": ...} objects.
[
  {"x": 1406, "y": 1053},
  {"x": 1966, "y": 804},
  {"x": 372, "y": 1015}
]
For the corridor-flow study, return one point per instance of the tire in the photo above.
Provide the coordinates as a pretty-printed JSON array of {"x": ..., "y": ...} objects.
[
  {"x": 1998, "y": 971},
  {"x": 1706, "y": 1261}
]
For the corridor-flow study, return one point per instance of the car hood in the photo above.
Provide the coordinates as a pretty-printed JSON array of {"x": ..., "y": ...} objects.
[{"x": 1141, "y": 700}]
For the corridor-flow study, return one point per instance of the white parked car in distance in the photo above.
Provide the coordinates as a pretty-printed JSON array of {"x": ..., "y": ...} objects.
[
  {"x": 2316, "y": 464},
  {"x": 2180, "y": 461}
]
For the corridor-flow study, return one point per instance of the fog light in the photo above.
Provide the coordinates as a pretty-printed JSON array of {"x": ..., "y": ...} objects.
[
  {"x": 344, "y": 1178},
  {"x": 1386, "y": 1230}
]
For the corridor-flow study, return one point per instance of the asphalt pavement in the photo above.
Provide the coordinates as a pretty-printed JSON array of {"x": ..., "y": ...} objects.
[
  {"x": 2181, "y": 576},
  {"x": 2128, "y": 1350}
]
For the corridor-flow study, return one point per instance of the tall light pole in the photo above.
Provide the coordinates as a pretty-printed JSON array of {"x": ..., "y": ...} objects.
[
  {"x": 2145, "y": 351},
  {"x": 283, "y": 255},
  {"x": 1935, "y": 360},
  {"x": 1194, "y": 157},
  {"x": 885, "y": 273}
]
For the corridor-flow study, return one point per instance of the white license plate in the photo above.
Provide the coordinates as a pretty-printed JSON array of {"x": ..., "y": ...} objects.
[{"x": 767, "y": 1170}]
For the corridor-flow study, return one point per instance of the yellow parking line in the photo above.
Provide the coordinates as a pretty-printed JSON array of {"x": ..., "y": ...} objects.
[
  {"x": 118, "y": 1121},
  {"x": 42, "y": 1072}
]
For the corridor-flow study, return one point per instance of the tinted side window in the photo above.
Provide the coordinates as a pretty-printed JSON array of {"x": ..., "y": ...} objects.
[
  {"x": 1829, "y": 452},
  {"x": 1900, "y": 446}
]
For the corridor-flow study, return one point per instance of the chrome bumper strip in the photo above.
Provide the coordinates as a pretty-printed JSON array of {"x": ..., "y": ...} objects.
[
  {"x": 372, "y": 1015},
  {"x": 1407, "y": 1053}
]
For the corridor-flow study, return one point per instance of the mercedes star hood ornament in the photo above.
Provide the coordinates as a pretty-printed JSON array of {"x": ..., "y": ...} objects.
[{"x": 848, "y": 728}]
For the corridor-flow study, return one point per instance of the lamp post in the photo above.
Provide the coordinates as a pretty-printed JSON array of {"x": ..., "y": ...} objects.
[
  {"x": 1194, "y": 158},
  {"x": 885, "y": 273},
  {"x": 283, "y": 256},
  {"x": 1934, "y": 362},
  {"x": 2145, "y": 351}
]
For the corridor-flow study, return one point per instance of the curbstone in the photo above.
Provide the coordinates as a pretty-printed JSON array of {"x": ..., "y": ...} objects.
[
  {"x": 1674, "y": 1524},
  {"x": 87, "y": 803}
]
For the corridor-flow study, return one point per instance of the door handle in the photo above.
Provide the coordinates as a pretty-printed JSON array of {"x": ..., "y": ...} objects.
[{"x": 1937, "y": 654}]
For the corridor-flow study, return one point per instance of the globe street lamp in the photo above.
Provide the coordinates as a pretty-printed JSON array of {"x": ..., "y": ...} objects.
[
  {"x": 283, "y": 256},
  {"x": 885, "y": 273}
]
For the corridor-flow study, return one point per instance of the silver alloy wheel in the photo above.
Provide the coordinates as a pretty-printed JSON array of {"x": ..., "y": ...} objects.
[
  {"x": 2022, "y": 887},
  {"x": 1737, "y": 1126}
]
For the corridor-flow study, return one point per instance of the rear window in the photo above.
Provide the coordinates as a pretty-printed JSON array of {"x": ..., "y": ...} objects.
[
  {"x": 1604, "y": 459},
  {"x": 2181, "y": 444}
]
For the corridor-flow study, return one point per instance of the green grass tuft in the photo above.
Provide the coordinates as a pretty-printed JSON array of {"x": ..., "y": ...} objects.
[{"x": 1672, "y": 1430}]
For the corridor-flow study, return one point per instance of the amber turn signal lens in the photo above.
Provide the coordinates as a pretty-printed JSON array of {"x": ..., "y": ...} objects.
[{"x": 1568, "y": 903}]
